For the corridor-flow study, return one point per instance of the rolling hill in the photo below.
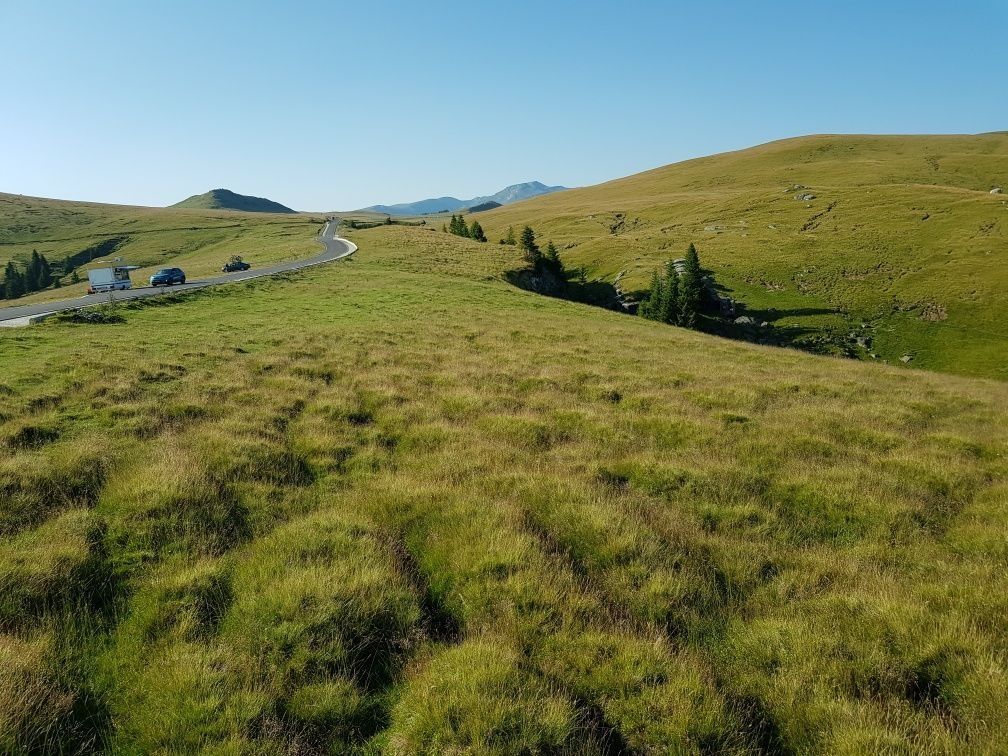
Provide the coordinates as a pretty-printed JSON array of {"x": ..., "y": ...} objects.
[
  {"x": 198, "y": 240},
  {"x": 401, "y": 506},
  {"x": 892, "y": 246},
  {"x": 224, "y": 199},
  {"x": 506, "y": 196}
]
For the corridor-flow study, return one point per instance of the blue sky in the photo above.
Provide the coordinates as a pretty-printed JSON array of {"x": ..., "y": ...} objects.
[{"x": 335, "y": 105}]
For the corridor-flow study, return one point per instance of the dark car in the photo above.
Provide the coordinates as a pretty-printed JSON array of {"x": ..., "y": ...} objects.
[
  {"x": 235, "y": 264},
  {"x": 167, "y": 277}
]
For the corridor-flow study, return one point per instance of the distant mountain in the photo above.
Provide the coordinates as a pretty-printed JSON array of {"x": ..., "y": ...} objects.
[
  {"x": 505, "y": 196},
  {"x": 224, "y": 199}
]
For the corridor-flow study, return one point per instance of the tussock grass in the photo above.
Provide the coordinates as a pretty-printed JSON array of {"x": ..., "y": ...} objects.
[
  {"x": 59, "y": 563},
  {"x": 400, "y": 506}
]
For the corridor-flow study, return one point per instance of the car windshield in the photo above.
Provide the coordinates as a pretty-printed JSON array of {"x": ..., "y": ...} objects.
[{"x": 163, "y": 272}]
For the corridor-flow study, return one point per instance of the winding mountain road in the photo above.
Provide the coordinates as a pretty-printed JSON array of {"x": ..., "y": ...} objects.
[{"x": 335, "y": 249}]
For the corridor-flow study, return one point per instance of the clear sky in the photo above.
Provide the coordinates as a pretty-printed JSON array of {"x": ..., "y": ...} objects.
[{"x": 337, "y": 105}]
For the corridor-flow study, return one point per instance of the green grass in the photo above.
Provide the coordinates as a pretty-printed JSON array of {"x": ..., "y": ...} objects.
[
  {"x": 902, "y": 244},
  {"x": 199, "y": 241},
  {"x": 397, "y": 505}
]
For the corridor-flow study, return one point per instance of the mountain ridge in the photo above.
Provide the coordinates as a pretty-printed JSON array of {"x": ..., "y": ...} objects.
[{"x": 506, "y": 196}]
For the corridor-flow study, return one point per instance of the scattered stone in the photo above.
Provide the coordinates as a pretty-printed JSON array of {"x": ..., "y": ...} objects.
[
  {"x": 744, "y": 320},
  {"x": 933, "y": 312},
  {"x": 726, "y": 305},
  {"x": 804, "y": 196},
  {"x": 906, "y": 358},
  {"x": 795, "y": 188},
  {"x": 764, "y": 324}
]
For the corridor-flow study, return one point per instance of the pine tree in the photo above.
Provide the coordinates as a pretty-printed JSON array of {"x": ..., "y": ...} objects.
[
  {"x": 529, "y": 247},
  {"x": 33, "y": 272},
  {"x": 45, "y": 274},
  {"x": 649, "y": 308},
  {"x": 671, "y": 309},
  {"x": 551, "y": 251},
  {"x": 510, "y": 238},
  {"x": 444, "y": 228},
  {"x": 13, "y": 282},
  {"x": 458, "y": 226},
  {"x": 691, "y": 287},
  {"x": 476, "y": 232}
]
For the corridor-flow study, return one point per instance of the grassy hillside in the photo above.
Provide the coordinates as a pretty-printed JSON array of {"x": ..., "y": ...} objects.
[
  {"x": 396, "y": 505},
  {"x": 200, "y": 241},
  {"x": 903, "y": 245},
  {"x": 225, "y": 199}
]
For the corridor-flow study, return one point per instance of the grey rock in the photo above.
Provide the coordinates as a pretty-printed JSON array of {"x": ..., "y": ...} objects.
[
  {"x": 744, "y": 320},
  {"x": 996, "y": 190},
  {"x": 906, "y": 358}
]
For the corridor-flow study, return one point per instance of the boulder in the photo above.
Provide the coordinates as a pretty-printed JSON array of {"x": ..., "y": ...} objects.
[
  {"x": 744, "y": 320},
  {"x": 804, "y": 196},
  {"x": 996, "y": 190}
]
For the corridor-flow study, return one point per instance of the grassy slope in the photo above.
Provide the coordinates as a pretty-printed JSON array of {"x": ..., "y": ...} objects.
[
  {"x": 397, "y": 502},
  {"x": 861, "y": 252},
  {"x": 199, "y": 241},
  {"x": 225, "y": 199}
]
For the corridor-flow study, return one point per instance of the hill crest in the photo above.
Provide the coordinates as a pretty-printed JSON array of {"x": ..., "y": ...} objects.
[{"x": 225, "y": 199}]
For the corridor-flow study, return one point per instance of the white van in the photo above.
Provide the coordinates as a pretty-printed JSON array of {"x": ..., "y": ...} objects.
[{"x": 110, "y": 279}]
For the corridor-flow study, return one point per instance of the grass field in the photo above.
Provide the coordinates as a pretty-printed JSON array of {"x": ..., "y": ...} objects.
[
  {"x": 397, "y": 505},
  {"x": 903, "y": 245},
  {"x": 199, "y": 241}
]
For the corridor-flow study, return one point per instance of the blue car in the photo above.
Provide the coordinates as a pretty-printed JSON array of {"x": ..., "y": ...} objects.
[{"x": 167, "y": 277}]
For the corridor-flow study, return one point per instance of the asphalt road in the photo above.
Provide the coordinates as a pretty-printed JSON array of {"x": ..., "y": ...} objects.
[{"x": 335, "y": 248}]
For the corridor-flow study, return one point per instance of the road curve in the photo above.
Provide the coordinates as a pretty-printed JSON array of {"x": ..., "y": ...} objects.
[{"x": 335, "y": 249}]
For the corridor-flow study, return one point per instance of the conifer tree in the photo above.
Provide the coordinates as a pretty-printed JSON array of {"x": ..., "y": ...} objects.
[
  {"x": 670, "y": 297},
  {"x": 529, "y": 247},
  {"x": 45, "y": 273},
  {"x": 33, "y": 272},
  {"x": 691, "y": 289},
  {"x": 510, "y": 238},
  {"x": 13, "y": 282},
  {"x": 476, "y": 232},
  {"x": 649, "y": 308}
]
